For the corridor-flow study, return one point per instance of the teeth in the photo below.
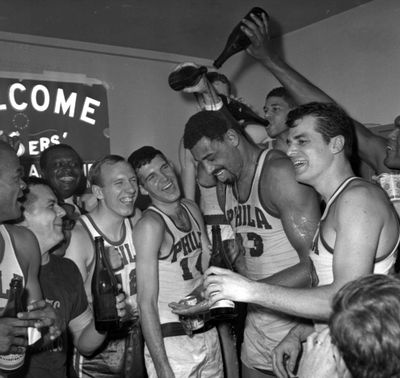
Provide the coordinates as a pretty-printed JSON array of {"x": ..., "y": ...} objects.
[
  {"x": 127, "y": 200},
  {"x": 67, "y": 179},
  {"x": 167, "y": 186}
]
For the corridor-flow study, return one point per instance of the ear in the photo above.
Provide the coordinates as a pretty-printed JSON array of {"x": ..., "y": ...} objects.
[
  {"x": 97, "y": 191},
  {"x": 337, "y": 144},
  {"x": 143, "y": 191},
  {"x": 232, "y": 137}
]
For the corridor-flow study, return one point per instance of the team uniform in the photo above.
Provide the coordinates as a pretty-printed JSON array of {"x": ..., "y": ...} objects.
[
  {"x": 62, "y": 287},
  {"x": 322, "y": 253},
  {"x": 180, "y": 264},
  {"x": 267, "y": 251},
  {"x": 109, "y": 362}
]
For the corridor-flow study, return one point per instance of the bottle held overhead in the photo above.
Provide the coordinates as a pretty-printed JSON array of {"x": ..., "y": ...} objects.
[
  {"x": 185, "y": 76},
  {"x": 237, "y": 40}
]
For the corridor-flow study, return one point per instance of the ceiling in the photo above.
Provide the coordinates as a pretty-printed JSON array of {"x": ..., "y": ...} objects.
[{"x": 197, "y": 28}]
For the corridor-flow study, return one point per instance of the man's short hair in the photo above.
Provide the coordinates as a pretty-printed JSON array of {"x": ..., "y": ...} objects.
[
  {"x": 44, "y": 156},
  {"x": 210, "y": 124},
  {"x": 214, "y": 76},
  {"x": 144, "y": 155},
  {"x": 331, "y": 121},
  {"x": 282, "y": 93},
  {"x": 94, "y": 176},
  {"x": 365, "y": 326},
  {"x": 29, "y": 198}
]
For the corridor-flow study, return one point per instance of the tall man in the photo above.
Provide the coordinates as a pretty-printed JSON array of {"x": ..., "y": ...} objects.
[
  {"x": 20, "y": 256},
  {"x": 358, "y": 232},
  {"x": 273, "y": 215},
  {"x": 172, "y": 251},
  {"x": 113, "y": 182},
  {"x": 61, "y": 284}
]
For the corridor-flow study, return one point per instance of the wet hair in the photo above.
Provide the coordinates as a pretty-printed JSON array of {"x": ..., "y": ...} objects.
[
  {"x": 282, "y": 93},
  {"x": 210, "y": 124},
  {"x": 365, "y": 326},
  {"x": 94, "y": 176},
  {"x": 214, "y": 76},
  {"x": 143, "y": 156},
  {"x": 331, "y": 121},
  {"x": 44, "y": 156}
]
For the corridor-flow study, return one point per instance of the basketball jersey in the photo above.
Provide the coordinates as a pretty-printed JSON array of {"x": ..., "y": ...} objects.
[
  {"x": 180, "y": 262},
  {"x": 126, "y": 273},
  {"x": 9, "y": 266},
  {"x": 322, "y": 253},
  {"x": 267, "y": 250}
]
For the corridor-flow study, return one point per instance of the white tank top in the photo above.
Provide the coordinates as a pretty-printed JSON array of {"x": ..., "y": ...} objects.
[
  {"x": 126, "y": 273},
  {"x": 180, "y": 262},
  {"x": 322, "y": 253}
]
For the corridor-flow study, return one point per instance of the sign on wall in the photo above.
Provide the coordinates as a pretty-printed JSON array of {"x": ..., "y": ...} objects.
[{"x": 39, "y": 113}]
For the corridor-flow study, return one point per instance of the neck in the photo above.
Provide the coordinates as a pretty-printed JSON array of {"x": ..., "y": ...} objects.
[
  {"x": 169, "y": 208},
  {"x": 249, "y": 158},
  {"x": 332, "y": 179},
  {"x": 108, "y": 222}
]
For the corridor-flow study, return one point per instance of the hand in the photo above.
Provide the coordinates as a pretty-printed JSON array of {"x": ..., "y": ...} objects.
[
  {"x": 188, "y": 310},
  {"x": 258, "y": 33},
  {"x": 285, "y": 355},
  {"x": 318, "y": 360},
  {"x": 115, "y": 258},
  {"x": 224, "y": 284},
  {"x": 44, "y": 315},
  {"x": 121, "y": 305},
  {"x": 13, "y": 335}
]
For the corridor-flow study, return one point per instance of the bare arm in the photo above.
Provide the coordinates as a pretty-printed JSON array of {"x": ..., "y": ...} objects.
[
  {"x": 359, "y": 225},
  {"x": 371, "y": 148},
  {"x": 148, "y": 235},
  {"x": 299, "y": 210}
]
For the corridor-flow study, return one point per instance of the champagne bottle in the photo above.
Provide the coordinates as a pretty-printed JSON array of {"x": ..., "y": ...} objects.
[
  {"x": 242, "y": 112},
  {"x": 186, "y": 76},
  {"x": 223, "y": 309},
  {"x": 13, "y": 307},
  {"x": 104, "y": 291},
  {"x": 237, "y": 40}
]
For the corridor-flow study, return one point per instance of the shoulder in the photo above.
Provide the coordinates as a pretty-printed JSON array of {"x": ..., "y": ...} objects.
[
  {"x": 80, "y": 243},
  {"x": 150, "y": 221},
  {"x": 278, "y": 163},
  {"x": 24, "y": 240}
]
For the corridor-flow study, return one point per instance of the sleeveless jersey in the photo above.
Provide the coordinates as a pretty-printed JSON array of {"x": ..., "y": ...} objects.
[
  {"x": 180, "y": 263},
  {"x": 9, "y": 266},
  {"x": 267, "y": 250},
  {"x": 322, "y": 253},
  {"x": 126, "y": 273}
]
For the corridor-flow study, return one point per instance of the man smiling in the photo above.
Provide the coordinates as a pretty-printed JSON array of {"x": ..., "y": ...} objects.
[{"x": 113, "y": 182}]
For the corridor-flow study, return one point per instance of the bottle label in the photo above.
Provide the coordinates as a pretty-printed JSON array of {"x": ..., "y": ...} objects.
[
  {"x": 223, "y": 303},
  {"x": 11, "y": 361}
]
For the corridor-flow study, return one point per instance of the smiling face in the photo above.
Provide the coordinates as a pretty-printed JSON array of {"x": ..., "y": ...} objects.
[
  {"x": 219, "y": 158},
  {"x": 118, "y": 190},
  {"x": 276, "y": 110},
  {"x": 63, "y": 171},
  {"x": 310, "y": 153},
  {"x": 43, "y": 216},
  {"x": 158, "y": 180},
  {"x": 392, "y": 159},
  {"x": 11, "y": 186}
]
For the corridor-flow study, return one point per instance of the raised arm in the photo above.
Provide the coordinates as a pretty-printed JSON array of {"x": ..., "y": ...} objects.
[
  {"x": 371, "y": 148},
  {"x": 148, "y": 235}
]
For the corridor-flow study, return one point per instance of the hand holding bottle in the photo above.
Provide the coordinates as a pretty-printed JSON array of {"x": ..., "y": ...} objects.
[{"x": 257, "y": 30}]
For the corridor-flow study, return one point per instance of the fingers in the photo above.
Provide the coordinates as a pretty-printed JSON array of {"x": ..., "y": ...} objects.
[
  {"x": 278, "y": 364},
  {"x": 37, "y": 305}
]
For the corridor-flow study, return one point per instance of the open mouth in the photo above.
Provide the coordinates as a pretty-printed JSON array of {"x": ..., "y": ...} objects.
[
  {"x": 66, "y": 179},
  {"x": 127, "y": 201},
  {"x": 168, "y": 186},
  {"x": 298, "y": 163}
]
